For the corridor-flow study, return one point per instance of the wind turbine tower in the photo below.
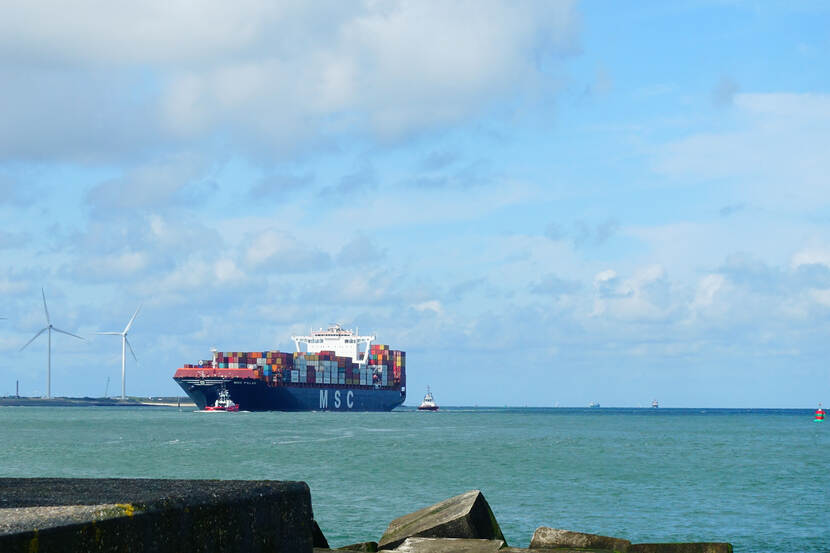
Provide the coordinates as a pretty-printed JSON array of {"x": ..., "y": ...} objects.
[
  {"x": 124, "y": 344},
  {"x": 49, "y": 328}
]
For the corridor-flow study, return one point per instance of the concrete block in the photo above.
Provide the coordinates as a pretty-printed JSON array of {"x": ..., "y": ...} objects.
[
  {"x": 551, "y": 538},
  {"x": 464, "y": 516},
  {"x": 144, "y": 515},
  {"x": 318, "y": 539},
  {"x": 366, "y": 547},
  {"x": 698, "y": 547},
  {"x": 448, "y": 545}
]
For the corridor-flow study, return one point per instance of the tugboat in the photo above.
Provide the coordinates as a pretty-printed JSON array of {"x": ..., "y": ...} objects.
[
  {"x": 428, "y": 404},
  {"x": 223, "y": 402},
  {"x": 819, "y": 414},
  {"x": 654, "y": 404}
]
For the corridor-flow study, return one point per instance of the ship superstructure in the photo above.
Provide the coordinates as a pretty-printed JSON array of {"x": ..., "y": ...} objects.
[
  {"x": 344, "y": 343},
  {"x": 333, "y": 373}
]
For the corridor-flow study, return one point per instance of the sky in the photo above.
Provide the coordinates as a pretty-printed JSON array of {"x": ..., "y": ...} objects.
[{"x": 542, "y": 203}]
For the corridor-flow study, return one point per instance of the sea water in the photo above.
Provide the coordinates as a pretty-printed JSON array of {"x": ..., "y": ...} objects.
[{"x": 756, "y": 478}]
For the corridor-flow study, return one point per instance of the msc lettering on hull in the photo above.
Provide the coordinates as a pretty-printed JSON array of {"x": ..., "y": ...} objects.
[{"x": 324, "y": 399}]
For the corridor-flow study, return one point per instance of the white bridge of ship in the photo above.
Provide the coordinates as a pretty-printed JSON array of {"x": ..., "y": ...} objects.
[{"x": 344, "y": 343}]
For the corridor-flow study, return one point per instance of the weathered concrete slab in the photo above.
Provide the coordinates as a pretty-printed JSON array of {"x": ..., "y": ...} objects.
[
  {"x": 448, "y": 545},
  {"x": 24, "y": 518},
  {"x": 366, "y": 547},
  {"x": 464, "y": 516},
  {"x": 551, "y": 538},
  {"x": 318, "y": 539},
  {"x": 699, "y": 547},
  {"x": 143, "y": 515}
]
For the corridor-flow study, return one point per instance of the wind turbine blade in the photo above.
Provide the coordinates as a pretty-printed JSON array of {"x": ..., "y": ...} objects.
[
  {"x": 129, "y": 345},
  {"x": 110, "y": 333},
  {"x": 45, "y": 309},
  {"x": 129, "y": 324},
  {"x": 33, "y": 338},
  {"x": 68, "y": 333}
]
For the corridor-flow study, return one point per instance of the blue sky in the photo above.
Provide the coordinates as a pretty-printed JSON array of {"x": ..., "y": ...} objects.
[{"x": 543, "y": 203}]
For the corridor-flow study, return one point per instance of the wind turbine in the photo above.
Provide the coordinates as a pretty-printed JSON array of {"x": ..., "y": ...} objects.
[
  {"x": 49, "y": 328},
  {"x": 124, "y": 344}
]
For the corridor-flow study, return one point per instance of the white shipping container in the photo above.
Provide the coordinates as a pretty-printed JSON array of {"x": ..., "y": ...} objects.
[{"x": 295, "y": 375}]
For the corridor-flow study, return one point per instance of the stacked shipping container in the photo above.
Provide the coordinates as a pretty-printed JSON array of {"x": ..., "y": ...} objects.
[{"x": 385, "y": 367}]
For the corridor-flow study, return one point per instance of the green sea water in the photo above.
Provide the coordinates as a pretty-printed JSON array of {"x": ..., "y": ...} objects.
[{"x": 757, "y": 478}]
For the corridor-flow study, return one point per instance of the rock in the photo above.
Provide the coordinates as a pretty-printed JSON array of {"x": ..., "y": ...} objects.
[
  {"x": 552, "y": 538},
  {"x": 555, "y": 550},
  {"x": 366, "y": 546},
  {"x": 317, "y": 537},
  {"x": 448, "y": 545},
  {"x": 699, "y": 547},
  {"x": 148, "y": 515},
  {"x": 464, "y": 516}
]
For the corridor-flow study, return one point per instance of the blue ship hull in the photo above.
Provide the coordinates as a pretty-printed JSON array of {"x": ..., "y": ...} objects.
[{"x": 256, "y": 395}]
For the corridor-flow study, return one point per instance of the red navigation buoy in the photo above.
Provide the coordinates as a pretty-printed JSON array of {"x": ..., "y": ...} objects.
[{"x": 819, "y": 414}]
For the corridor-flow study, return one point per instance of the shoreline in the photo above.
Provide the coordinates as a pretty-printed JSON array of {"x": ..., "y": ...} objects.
[{"x": 91, "y": 402}]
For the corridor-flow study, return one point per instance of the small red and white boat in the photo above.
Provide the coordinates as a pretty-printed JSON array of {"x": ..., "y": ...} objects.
[{"x": 223, "y": 402}]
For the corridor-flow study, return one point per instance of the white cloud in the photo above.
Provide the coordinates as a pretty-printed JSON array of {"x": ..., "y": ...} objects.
[
  {"x": 646, "y": 296},
  {"x": 431, "y": 305},
  {"x": 821, "y": 296},
  {"x": 707, "y": 288},
  {"x": 284, "y": 253},
  {"x": 811, "y": 256},
  {"x": 123, "y": 264},
  {"x": 265, "y": 77},
  {"x": 226, "y": 270},
  {"x": 173, "y": 180},
  {"x": 10, "y": 287},
  {"x": 116, "y": 33},
  {"x": 775, "y": 152}
]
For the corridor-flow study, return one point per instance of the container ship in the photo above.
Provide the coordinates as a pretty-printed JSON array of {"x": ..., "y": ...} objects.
[{"x": 332, "y": 374}]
